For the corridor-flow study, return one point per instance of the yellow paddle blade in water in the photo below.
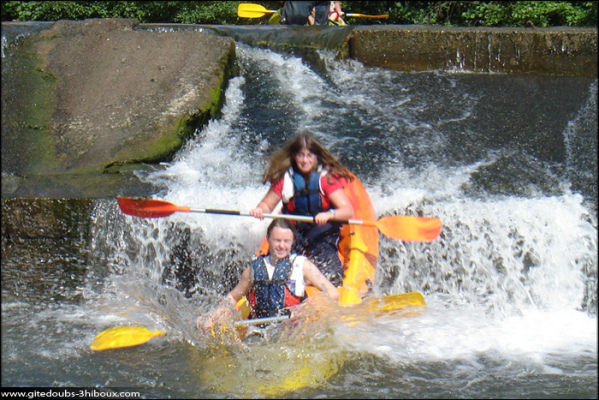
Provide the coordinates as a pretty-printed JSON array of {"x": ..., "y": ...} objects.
[
  {"x": 124, "y": 336},
  {"x": 398, "y": 301}
]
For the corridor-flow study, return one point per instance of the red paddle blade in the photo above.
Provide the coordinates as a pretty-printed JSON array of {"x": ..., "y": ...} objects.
[
  {"x": 148, "y": 208},
  {"x": 409, "y": 228}
]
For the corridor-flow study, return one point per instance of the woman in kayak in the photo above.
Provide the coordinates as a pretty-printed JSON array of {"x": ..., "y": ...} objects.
[
  {"x": 309, "y": 180},
  {"x": 277, "y": 281}
]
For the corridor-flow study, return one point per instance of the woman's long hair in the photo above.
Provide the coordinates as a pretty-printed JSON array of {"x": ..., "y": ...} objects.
[{"x": 283, "y": 159}]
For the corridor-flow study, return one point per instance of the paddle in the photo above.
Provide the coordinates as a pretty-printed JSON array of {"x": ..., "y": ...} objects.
[
  {"x": 259, "y": 321},
  {"x": 124, "y": 336},
  {"x": 252, "y": 11},
  {"x": 391, "y": 302},
  {"x": 129, "y": 336},
  {"x": 401, "y": 227},
  {"x": 366, "y": 16},
  {"x": 257, "y": 11}
]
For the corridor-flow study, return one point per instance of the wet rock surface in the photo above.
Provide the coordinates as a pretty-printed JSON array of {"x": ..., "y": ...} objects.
[{"x": 83, "y": 101}]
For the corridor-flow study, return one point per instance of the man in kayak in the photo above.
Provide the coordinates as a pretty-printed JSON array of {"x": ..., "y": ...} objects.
[
  {"x": 309, "y": 180},
  {"x": 277, "y": 281}
]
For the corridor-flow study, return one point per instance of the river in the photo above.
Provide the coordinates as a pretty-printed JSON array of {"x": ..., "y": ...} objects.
[{"x": 509, "y": 165}]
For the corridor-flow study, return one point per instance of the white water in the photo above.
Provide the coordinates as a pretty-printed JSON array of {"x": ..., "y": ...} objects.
[
  {"x": 508, "y": 284},
  {"x": 508, "y": 274}
]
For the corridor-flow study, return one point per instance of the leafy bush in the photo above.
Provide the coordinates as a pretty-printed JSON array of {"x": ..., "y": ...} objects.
[
  {"x": 448, "y": 13},
  {"x": 525, "y": 13}
]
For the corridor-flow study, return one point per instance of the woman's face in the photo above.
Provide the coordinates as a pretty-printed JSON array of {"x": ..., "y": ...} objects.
[
  {"x": 280, "y": 241},
  {"x": 305, "y": 160}
]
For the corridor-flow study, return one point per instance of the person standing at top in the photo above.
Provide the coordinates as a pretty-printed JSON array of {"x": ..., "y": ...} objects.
[
  {"x": 335, "y": 14},
  {"x": 298, "y": 13},
  {"x": 309, "y": 180}
]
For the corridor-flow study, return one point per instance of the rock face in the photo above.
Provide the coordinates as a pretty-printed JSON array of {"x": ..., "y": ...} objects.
[
  {"x": 82, "y": 99},
  {"x": 84, "y": 103}
]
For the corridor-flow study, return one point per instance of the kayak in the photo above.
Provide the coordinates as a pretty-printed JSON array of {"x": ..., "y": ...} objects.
[
  {"x": 307, "y": 360},
  {"x": 358, "y": 251}
]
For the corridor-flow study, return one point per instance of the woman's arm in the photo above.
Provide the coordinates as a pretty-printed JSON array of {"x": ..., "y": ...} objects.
[
  {"x": 241, "y": 289},
  {"x": 343, "y": 210},
  {"x": 313, "y": 276},
  {"x": 266, "y": 205}
]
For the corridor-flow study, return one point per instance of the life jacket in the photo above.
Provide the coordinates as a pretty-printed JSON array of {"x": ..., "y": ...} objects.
[
  {"x": 301, "y": 197},
  {"x": 271, "y": 297}
]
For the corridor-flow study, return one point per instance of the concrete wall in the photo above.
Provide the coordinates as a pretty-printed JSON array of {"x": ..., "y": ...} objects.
[{"x": 550, "y": 51}]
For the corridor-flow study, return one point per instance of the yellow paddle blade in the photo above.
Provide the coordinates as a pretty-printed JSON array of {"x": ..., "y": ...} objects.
[
  {"x": 124, "y": 336},
  {"x": 397, "y": 301},
  {"x": 243, "y": 306},
  {"x": 252, "y": 11}
]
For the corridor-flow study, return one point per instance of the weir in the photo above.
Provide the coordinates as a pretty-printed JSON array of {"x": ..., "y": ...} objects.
[
  {"x": 508, "y": 162},
  {"x": 60, "y": 217}
]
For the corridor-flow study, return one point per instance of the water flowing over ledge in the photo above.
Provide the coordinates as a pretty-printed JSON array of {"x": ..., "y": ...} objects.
[{"x": 507, "y": 162}]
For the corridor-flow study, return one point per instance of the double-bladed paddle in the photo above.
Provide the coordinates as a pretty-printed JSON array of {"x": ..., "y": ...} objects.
[
  {"x": 256, "y": 11},
  {"x": 129, "y": 336},
  {"x": 400, "y": 227}
]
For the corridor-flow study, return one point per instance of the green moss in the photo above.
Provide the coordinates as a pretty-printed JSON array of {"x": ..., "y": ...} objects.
[
  {"x": 186, "y": 126},
  {"x": 156, "y": 150},
  {"x": 38, "y": 89}
]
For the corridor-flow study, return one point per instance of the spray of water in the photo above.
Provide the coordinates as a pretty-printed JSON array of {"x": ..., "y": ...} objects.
[{"x": 501, "y": 261}]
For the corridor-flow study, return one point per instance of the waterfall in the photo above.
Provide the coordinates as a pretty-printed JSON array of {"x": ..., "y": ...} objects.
[{"x": 508, "y": 163}]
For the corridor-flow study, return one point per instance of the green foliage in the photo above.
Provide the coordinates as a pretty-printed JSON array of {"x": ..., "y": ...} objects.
[
  {"x": 495, "y": 13},
  {"x": 208, "y": 12},
  {"x": 525, "y": 13},
  {"x": 198, "y": 12},
  {"x": 448, "y": 13}
]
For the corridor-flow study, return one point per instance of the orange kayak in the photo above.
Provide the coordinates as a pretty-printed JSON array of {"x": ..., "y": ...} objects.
[{"x": 358, "y": 251}]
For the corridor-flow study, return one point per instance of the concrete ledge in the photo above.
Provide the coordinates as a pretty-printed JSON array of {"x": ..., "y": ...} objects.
[
  {"x": 85, "y": 104},
  {"x": 52, "y": 219},
  {"x": 542, "y": 51},
  {"x": 86, "y": 99}
]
